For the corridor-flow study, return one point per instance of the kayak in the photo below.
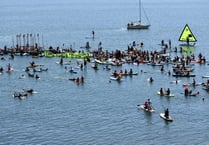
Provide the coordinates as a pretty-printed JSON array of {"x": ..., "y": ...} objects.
[
  {"x": 162, "y": 115},
  {"x": 170, "y": 95},
  {"x": 147, "y": 110}
]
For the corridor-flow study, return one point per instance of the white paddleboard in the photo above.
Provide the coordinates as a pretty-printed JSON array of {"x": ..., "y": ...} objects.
[
  {"x": 170, "y": 95},
  {"x": 162, "y": 115},
  {"x": 148, "y": 110}
]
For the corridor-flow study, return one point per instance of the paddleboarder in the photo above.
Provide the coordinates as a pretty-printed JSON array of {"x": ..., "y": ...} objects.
[{"x": 166, "y": 113}]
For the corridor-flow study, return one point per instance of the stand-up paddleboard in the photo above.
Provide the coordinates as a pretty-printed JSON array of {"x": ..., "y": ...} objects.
[
  {"x": 64, "y": 63},
  {"x": 175, "y": 82},
  {"x": 162, "y": 115},
  {"x": 166, "y": 95},
  {"x": 205, "y": 76},
  {"x": 147, "y": 110},
  {"x": 192, "y": 84},
  {"x": 115, "y": 79},
  {"x": 90, "y": 37}
]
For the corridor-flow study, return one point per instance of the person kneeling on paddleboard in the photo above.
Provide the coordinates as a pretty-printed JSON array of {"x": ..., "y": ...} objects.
[{"x": 146, "y": 105}]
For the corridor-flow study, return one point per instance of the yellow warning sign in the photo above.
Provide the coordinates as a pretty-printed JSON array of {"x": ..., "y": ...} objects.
[{"x": 187, "y": 35}]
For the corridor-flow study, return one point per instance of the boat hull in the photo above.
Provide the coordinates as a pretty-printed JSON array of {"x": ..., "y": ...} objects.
[{"x": 137, "y": 26}]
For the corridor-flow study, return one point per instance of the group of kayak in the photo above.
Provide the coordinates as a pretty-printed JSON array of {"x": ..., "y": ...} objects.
[{"x": 147, "y": 106}]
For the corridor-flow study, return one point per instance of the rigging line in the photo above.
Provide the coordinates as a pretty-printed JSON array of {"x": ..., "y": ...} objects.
[{"x": 145, "y": 14}]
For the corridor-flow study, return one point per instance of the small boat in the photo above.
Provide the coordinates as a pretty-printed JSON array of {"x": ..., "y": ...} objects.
[
  {"x": 169, "y": 118},
  {"x": 145, "y": 109},
  {"x": 166, "y": 95}
]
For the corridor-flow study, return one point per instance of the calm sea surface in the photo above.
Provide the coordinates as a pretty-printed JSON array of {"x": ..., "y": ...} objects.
[{"x": 100, "y": 112}]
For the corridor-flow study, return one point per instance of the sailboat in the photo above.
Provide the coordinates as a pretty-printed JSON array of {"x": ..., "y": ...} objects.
[
  {"x": 187, "y": 36},
  {"x": 138, "y": 24}
]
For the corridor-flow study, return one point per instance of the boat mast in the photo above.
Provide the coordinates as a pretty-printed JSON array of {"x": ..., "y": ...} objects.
[{"x": 140, "y": 11}]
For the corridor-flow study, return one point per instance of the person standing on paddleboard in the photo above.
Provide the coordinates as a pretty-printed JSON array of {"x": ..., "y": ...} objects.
[{"x": 166, "y": 113}]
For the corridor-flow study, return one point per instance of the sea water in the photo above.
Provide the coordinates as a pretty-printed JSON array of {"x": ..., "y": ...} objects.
[{"x": 100, "y": 111}]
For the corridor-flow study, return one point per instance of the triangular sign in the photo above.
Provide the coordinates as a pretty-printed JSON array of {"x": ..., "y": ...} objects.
[{"x": 187, "y": 35}]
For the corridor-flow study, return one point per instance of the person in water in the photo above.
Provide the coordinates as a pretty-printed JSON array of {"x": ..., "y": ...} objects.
[{"x": 166, "y": 113}]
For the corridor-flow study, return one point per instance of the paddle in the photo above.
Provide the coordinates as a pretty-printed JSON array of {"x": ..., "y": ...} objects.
[{"x": 163, "y": 107}]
